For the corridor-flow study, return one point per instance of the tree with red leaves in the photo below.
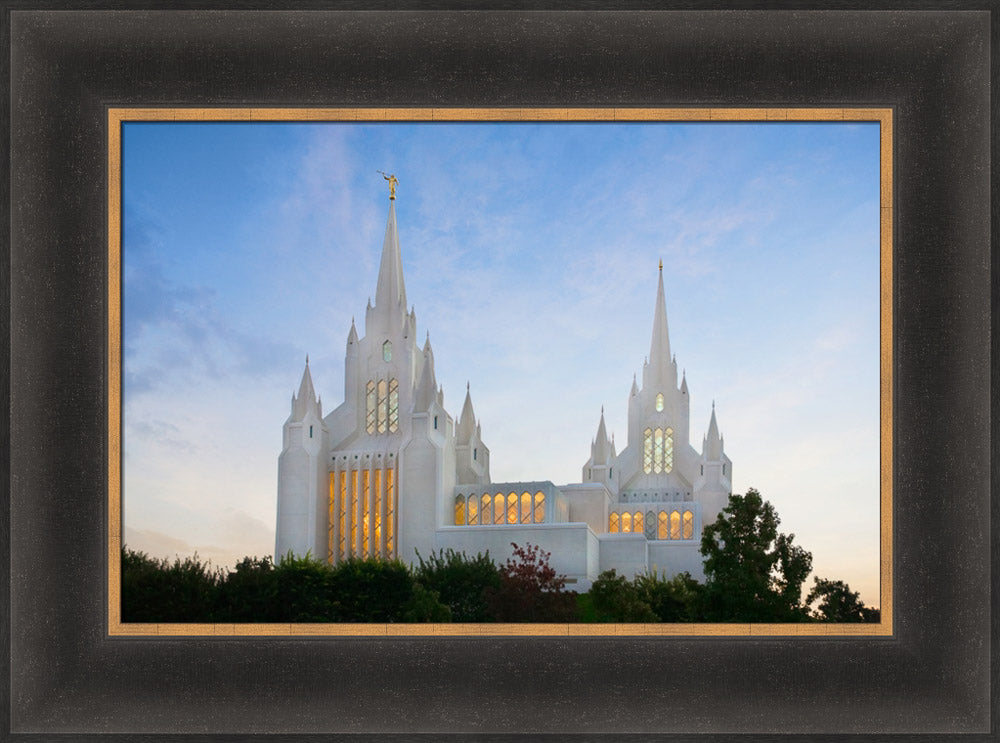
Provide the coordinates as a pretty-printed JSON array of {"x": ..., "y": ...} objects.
[{"x": 530, "y": 589}]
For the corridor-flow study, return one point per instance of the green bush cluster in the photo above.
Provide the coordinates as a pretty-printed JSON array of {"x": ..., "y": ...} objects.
[{"x": 753, "y": 573}]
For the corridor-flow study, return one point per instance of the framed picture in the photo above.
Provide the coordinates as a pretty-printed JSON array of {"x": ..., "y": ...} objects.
[{"x": 71, "y": 672}]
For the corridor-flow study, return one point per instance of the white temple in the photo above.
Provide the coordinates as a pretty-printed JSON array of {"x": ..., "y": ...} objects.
[{"x": 390, "y": 471}]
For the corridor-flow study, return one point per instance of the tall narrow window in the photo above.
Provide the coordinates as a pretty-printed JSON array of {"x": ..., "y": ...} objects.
[
  {"x": 525, "y": 508},
  {"x": 499, "y": 511},
  {"x": 390, "y": 512},
  {"x": 366, "y": 493},
  {"x": 658, "y": 450},
  {"x": 330, "y": 519},
  {"x": 539, "y": 516},
  {"x": 352, "y": 548},
  {"x": 647, "y": 451},
  {"x": 659, "y": 402},
  {"x": 688, "y": 525},
  {"x": 486, "y": 509},
  {"x": 662, "y": 525},
  {"x": 370, "y": 407},
  {"x": 387, "y": 351},
  {"x": 613, "y": 523},
  {"x": 393, "y": 405},
  {"x": 383, "y": 406},
  {"x": 626, "y": 522},
  {"x": 377, "y": 514},
  {"x": 637, "y": 526},
  {"x": 650, "y": 525},
  {"x": 459, "y": 510},
  {"x": 310, "y": 431},
  {"x": 341, "y": 515},
  {"x": 668, "y": 449},
  {"x": 475, "y": 454},
  {"x": 473, "y": 509},
  {"x": 435, "y": 423},
  {"x": 675, "y": 525},
  {"x": 512, "y": 501}
]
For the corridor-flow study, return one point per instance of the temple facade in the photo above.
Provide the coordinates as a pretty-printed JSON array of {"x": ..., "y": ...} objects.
[{"x": 390, "y": 472}]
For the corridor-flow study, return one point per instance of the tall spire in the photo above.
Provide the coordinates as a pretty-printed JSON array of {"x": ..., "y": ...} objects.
[
  {"x": 390, "y": 291},
  {"x": 659, "y": 347}
]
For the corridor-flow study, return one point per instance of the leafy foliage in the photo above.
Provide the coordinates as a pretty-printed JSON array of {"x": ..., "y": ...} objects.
[
  {"x": 838, "y": 603},
  {"x": 159, "y": 591},
  {"x": 676, "y": 599},
  {"x": 461, "y": 582},
  {"x": 616, "y": 599},
  {"x": 530, "y": 589},
  {"x": 753, "y": 573}
]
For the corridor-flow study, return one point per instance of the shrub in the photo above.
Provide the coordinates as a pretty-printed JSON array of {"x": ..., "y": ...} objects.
[
  {"x": 159, "y": 591},
  {"x": 616, "y": 599},
  {"x": 530, "y": 590},
  {"x": 249, "y": 593},
  {"x": 677, "y": 599},
  {"x": 461, "y": 583}
]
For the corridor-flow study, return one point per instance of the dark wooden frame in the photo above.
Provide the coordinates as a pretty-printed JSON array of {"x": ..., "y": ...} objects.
[{"x": 932, "y": 676}]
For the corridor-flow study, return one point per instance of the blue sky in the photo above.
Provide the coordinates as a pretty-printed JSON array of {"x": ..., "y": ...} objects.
[{"x": 530, "y": 253}]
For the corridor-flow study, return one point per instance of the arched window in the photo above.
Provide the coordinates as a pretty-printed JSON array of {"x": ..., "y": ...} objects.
[
  {"x": 539, "y": 515},
  {"x": 675, "y": 525},
  {"x": 662, "y": 526},
  {"x": 668, "y": 449},
  {"x": 688, "y": 525},
  {"x": 512, "y": 508},
  {"x": 637, "y": 522},
  {"x": 658, "y": 450},
  {"x": 626, "y": 522},
  {"x": 370, "y": 406},
  {"x": 525, "y": 508},
  {"x": 499, "y": 510},
  {"x": 485, "y": 510},
  {"x": 650, "y": 525},
  {"x": 387, "y": 351},
  {"x": 473, "y": 510},
  {"x": 383, "y": 406},
  {"x": 459, "y": 510},
  {"x": 647, "y": 451},
  {"x": 393, "y": 405},
  {"x": 659, "y": 402},
  {"x": 613, "y": 523}
]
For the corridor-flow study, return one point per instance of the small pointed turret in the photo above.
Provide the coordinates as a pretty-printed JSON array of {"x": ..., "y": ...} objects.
[
  {"x": 306, "y": 397},
  {"x": 601, "y": 452},
  {"x": 426, "y": 392},
  {"x": 712, "y": 449},
  {"x": 635, "y": 387},
  {"x": 684, "y": 383},
  {"x": 467, "y": 421},
  {"x": 352, "y": 336}
]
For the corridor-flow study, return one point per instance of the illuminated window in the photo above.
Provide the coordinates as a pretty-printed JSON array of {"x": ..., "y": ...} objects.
[
  {"x": 330, "y": 520},
  {"x": 662, "y": 526},
  {"x": 370, "y": 407},
  {"x": 613, "y": 523},
  {"x": 688, "y": 525},
  {"x": 525, "y": 508},
  {"x": 647, "y": 451},
  {"x": 675, "y": 525},
  {"x": 512, "y": 501},
  {"x": 658, "y": 450},
  {"x": 485, "y": 512},
  {"x": 637, "y": 522},
  {"x": 355, "y": 505},
  {"x": 459, "y": 510},
  {"x": 626, "y": 522},
  {"x": 650, "y": 525},
  {"x": 377, "y": 501},
  {"x": 499, "y": 511},
  {"x": 668, "y": 449},
  {"x": 539, "y": 507},
  {"x": 342, "y": 514},
  {"x": 382, "y": 407},
  {"x": 366, "y": 488},
  {"x": 659, "y": 402},
  {"x": 393, "y": 405},
  {"x": 387, "y": 351},
  {"x": 390, "y": 512},
  {"x": 473, "y": 509}
]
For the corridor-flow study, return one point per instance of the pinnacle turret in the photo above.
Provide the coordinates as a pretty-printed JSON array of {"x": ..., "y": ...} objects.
[
  {"x": 306, "y": 397},
  {"x": 712, "y": 448},
  {"x": 467, "y": 421}
]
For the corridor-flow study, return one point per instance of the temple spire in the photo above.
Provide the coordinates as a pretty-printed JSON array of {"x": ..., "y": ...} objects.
[
  {"x": 391, "y": 291},
  {"x": 713, "y": 442},
  {"x": 659, "y": 347}
]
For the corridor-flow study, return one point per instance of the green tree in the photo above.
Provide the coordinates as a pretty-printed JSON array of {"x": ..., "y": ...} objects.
[
  {"x": 249, "y": 593},
  {"x": 530, "y": 589},
  {"x": 838, "y": 603},
  {"x": 753, "y": 573},
  {"x": 461, "y": 582},
  {"x": 159, "y": 591},
  {"x": 615, "y": 599},
  {"x": 372, "y": 590}
]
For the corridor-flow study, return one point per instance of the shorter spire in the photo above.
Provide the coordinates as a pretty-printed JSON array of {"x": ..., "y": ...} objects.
[{"x": 712, "y": 448}]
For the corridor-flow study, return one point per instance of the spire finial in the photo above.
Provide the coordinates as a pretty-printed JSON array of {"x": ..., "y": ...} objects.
[
  {"x": 466, "y": 386},
  {"x": 307, "y": 359},
  {"x": 393, "y": 180},
  {"x": 661, "y": 265}
]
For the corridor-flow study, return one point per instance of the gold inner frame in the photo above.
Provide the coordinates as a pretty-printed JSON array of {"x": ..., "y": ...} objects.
[{"x": 118, "y": 116}]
